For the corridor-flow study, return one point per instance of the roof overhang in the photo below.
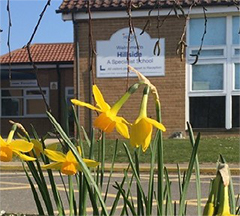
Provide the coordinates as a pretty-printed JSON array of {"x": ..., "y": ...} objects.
[{"x": 107, "y": 14}]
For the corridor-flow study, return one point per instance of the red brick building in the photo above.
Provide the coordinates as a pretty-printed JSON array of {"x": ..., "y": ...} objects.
[
  {"x": 21, "y": 100},
  {"x": 206, "y": 93}
]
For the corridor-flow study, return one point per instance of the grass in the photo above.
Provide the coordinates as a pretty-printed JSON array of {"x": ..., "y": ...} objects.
[{"x": 179, "y": 150}]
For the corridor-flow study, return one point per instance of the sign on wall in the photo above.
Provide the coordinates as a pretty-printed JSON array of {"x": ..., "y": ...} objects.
[
  {"x": 23, "y": 83},
  {"x": 112, "y": 55}
]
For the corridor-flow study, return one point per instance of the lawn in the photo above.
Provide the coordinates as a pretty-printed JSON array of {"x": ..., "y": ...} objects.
[{"x": 179, "y": 150}]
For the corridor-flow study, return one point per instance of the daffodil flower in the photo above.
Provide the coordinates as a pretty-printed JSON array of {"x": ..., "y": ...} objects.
[
  {"x": 108, "y": 119},
  {"x": 141, "y": 129},
  {"x": 38, "y": 148},
  {"x": 67, "y": 164},
  {"x": 9, "y": 148},
  {"x": 224, "y": 208},
  {"x": 210, "y": 206}
]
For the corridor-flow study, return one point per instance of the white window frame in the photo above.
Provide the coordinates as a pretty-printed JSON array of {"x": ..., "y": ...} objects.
[
  {"x": 26, "y": 97},
  {"x": 67, "y": 90},
  {"x": 228, "y": 60}
]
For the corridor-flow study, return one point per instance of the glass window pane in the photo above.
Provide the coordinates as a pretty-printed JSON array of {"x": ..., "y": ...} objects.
[
  {"x": 70, "y": 91},
  {"x": 207, "y": 112},
  {"x": 35, "y": 106},
  {"x": 235, "y": 111},
  {"x": 236, "y": 51},
  {"x": 35, "y": 92},
  {"x": 216, "y": 31},
  {"x": 214, "y": 52},
  {"x": 12, "y": 107},
  {"x": 236, "y": 30},
  {"x": 237, "y": 76},
  {"x": 207, "y": 77}
]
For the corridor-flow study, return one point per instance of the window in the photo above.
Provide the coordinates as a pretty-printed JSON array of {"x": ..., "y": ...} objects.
[
  {"x": 69, "y": 94},
  {"x": 214, "y": 82},
  {"x": 23, "y": 102}
]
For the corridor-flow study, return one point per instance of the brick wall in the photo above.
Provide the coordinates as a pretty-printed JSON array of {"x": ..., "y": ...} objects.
[
  {"x": 42, "y": 124},
  {"x": 171, "y": 87}
]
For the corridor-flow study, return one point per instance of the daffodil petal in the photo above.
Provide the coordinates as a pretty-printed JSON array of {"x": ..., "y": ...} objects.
[
  {"x": 104, "y": 122},
  {"x": 147, "y": 141},
  {"x": 99, "y": 99},
  {"x": 37, "y": 145},
  {"x": 140, "y": 132},
  {"x": 2, "y": 142},
  {"x": 23, "y": 156},
  {"x": 52, "y": 146},
  {"x": 91, "y": 163},
  {"x": 155, "y": 123},
  {"x": 122, "y": 129},
  {"x": 55, "y": 165},
  {"x": 70, "y": 157},
  {"x": 80, "y": 103},
  {"x": 55, "y": 155},
  {"x": 21, "y": 145}
]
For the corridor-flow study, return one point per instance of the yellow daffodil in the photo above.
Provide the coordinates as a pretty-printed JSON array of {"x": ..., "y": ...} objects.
[
  {"x": 38, "y": 147},
  {"x": 108, "y": 119},
  {"x": 224, "y": 208},
  {"x": 17, "y": 147},
  {"x": 141, "y": 130},
  {"x": 210, "y": 207},
  {"x": 67, "y": 164}
]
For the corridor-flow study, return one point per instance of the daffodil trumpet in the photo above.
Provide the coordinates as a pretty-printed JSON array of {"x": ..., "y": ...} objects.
[
  {"x": 14, "y": 147},
  {"x": 67, "y": 164},
  {"x": 224, "y": 208},
  {"x": 141, "y": 129},
  {"x": 108, "y": 119}
]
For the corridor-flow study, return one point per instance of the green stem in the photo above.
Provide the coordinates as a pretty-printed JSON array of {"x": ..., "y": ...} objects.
[
  {"x": 70, "y": 183},
  {"x": 116, "y": 107},
  {"x": 160, "y": 159}
]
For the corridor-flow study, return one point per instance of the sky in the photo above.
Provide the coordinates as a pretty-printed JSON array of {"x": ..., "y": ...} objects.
[{"x": 24, "y": 17}]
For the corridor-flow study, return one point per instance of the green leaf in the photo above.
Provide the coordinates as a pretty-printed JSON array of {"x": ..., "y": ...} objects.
[
  {"x": 84, "y": 168},
  {"x": 169, "y": 196},
  {"x": 135, "y": 174},
  {"x": 197, "y": 171},
  {"x": 111, "y": 170},
  {"x": 35, "y": 195},
  {"x": 116, "y": 200},
  {"x": 126, "y": 199},
  {"x": 188, "y": 176}
]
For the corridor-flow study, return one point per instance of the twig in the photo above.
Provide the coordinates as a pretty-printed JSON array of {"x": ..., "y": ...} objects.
[
  {"x": 131, "y": 32},
  {"x": 35, "y": 69},
  {"x": 202, "y": 39},
  {"x": 8, "y": 41},
  {"x": 182, "y": 43}
]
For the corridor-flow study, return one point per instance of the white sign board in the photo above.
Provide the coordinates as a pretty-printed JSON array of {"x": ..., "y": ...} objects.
[
  {"x": 21, "y": 83},
  {"x": 112, "y": 55}
]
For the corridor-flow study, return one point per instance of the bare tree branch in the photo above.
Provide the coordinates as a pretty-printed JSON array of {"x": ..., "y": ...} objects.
[
  {"x": 131, "y": 32},
  {"x": 182, "y": 43},
  {"x": 30, "y": 55},
  {"x": 202, "y": 39},
  {"x": 8, "y": 41}
]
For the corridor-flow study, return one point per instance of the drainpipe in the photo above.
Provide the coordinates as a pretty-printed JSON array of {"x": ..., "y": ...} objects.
[
  {"x": 77, "y": 66},
  {"x": 59, "y": 87}
]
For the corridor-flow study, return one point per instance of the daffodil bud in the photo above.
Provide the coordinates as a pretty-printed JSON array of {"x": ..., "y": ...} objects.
[
  {"x": 133, "y": 88},
  {"x": 224, "y": 208},
  {"x": 210, "y": 206}
]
